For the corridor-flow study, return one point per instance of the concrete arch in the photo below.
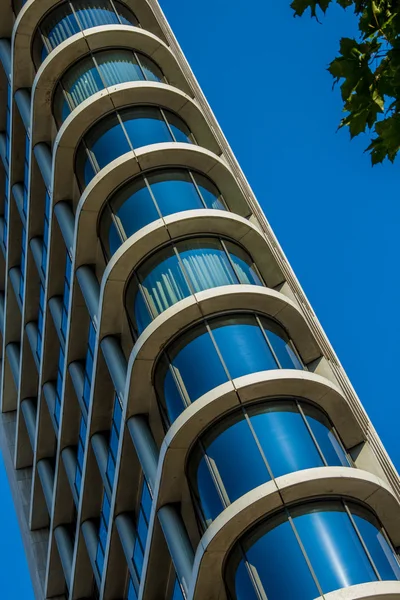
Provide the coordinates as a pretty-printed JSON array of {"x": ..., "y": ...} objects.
[
  {"x": 240, "y": 516},
  {"x": 33, "y": 12},
  {"x": 76, "y": 47}
]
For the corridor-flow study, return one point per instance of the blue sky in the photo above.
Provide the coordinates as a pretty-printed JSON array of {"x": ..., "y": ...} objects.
[{"x": 264, "y": 74}]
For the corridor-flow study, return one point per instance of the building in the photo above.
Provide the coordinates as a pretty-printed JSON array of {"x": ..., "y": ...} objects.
[{"x": 174, "y": 421}]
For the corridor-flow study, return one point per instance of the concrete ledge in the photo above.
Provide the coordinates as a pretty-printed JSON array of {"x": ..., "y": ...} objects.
[
  {"x": 30, "y": 16},
  {"x": 201, "y": 222},
  {"x": 79, "y": 45},
  {"x": 119, "y": 96},
  {"x": 200, "y": 416},
  {"x": 378, "y": 590},
  {"x": 234, "y": 521},
  {"x": 168, "y": 154},
  {"x": 139, "y": 386}
]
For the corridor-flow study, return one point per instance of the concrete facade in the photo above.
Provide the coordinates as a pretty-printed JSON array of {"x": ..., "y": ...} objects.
[{"x": 75, "y": 356}]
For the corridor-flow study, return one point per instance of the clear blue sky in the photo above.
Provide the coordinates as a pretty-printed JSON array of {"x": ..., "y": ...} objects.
[{"x": 338, "y": 220}]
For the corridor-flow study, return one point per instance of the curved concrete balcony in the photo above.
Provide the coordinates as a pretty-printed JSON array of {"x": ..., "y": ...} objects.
[
  {"x": 201, "y": 414},
  {"x": 154, "y": 235},
  {"x": 139, "y": 391},
  {"x": 121, "y": 96},
  {"x": 322, "y": 482},
  {"x": 377, "y": 590},
  {"x": 33, "y": 12},
  {"x": 81, "y": 44}
]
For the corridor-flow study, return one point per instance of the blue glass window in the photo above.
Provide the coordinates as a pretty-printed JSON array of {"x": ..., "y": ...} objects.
[
  {"x": 143, "y": 200},
  {"x": 46, "y": 227},
  {"x": 142, "y": 527},
  {"x": 103, "y": 532},
  {"x": 95, "y": 72},
  {"x": 89, "y": 362},
  {"x": 247, "y": 448},
  {"x": 80, "y": 454},
  {"x": 61, "y": 23},
  {"x": 175, "y": 272},
  {"x": 40, "y": 323},
  {"x": 106, "y": 141},
  {"x": 177, "y": 593},
  {"x": 66, "y": 295},
  {"x": 331, "y": 536},
  {"x": 59, "y": 386},
  {"x": 193, "y": 366},
  {"x": 114, "y": 440}
]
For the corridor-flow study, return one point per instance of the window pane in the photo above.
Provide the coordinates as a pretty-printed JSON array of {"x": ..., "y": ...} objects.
[
  {"x": 107, "y": 141},
  {"x": 118, "y": 66},
  {"x": 237, "y": 459},
  {"x": 134, "y": 207},
  {"x": 242, "y": 345},
  {"x": 172, "y": 397},
  {"x": 146, "y": 501},
  {"x": 243, "y": 265},
  {"x": 281, "y": 566},
  {"x": 92, "y": 13},
  {"x": 150, "y": 70},
  {"x": 180, "y": 130},
  {"x": 138, "y": 558},
  {"x": 284, "y": 438},
  {"x": 142, "y": 529},
  {"x": 243, "y": 585},
  {"x": 206, "y": 264},
  {"x": 82, "y": 81},
  {"x": 174, "y": 192},
  {"x": 333, "y": 548},
  {"x": 142, "y": 316},
  {"x": 145, "y": 125},
  {"x": 198, "y": 365},
  {"x": 209, "y": 497},
  {"x": 281, "y": 346},
  {"x": 58, "y": 26},
  {"x": 163, "y": 281},
  {"x": 378, "y": 547},
  {"x": 177, "y": 593},
  {"x": 210, "y": 194},
  {"x": 326, "y": 439}
]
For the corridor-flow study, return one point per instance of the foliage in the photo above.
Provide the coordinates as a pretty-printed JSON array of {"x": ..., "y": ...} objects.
[{"x": 369, "y": 72}]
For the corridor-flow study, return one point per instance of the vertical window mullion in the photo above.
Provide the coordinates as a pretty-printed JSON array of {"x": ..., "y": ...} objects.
[
  {"x": 167, "y": 124},
  {"x": 267, "y": 340},
  {"x": 363, "y": 544},
  {"x": 310, "y": 431},
  {"x": 218, "y": 350},
  {"x": 303, "y": 550}
]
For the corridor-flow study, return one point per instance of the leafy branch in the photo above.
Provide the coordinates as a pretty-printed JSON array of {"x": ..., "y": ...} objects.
[{"x": 368, "y": 70}]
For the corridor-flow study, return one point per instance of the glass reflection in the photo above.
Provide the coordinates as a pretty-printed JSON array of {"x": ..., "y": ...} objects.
[
  {"x": 123, "y": 131},
  {"x": 177, "y": 271},
  {"x": 149, "y": 197},
  {"x": 254, "y": 444},
  {"x": 71, "y": 17},
  {"x": 337, "y": 539},
  {"x": 223, "y": 348},
  {"x": 97, "y": 71}
]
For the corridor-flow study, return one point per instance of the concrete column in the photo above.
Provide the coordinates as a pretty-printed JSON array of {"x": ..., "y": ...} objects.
[
  {"x": 89, "y": 531},
  {"x": 49, "y": 391},
  {"x": 100, "y": 449},
  {"x": 22, "y": 99},
  {"x": 5, "y": 56},
  {"x": 36, "y": 246},
  {"x": 65, "y": 550},
  {"x": 90, "y": 289},
  {"x": 3, "y": 146},
  {"x": 18, "y": 193},
  {"x": 127, "y": 535},
  {"x": 178, "y": 543},
  {"x": 145, "y": 447},
  {"x": 68, "y": 456},
  {"x": 56, "y": 306},
  {"x": 43, "y": 157},
  {"x": 15, "y": 278},
  {"x": 32, "y": 335},
  {"x": 77, "y": 373},
  {"x": 13, "y": 354},
  {"x": 66, "y": 221},
  {"x": 29, "y": 410},
  {"x": 116, "y": 363},
  {"x": 46, "y": 474}
]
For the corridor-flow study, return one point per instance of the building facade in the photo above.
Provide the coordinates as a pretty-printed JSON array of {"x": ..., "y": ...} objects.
[{"x": 175, "y": 424}]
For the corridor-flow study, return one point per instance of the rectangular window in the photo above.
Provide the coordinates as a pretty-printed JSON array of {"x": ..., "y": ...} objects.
[
  {"x": 67, "y": 289},
  {"x": 89, "y": 362},
  {"x": 46, "y": 225},
  {"x": 142, "y": 528},
  {"x": 80, "y": 455},
  {"x": 114, "y": 440},
  {"x": 103, "y": 532}
]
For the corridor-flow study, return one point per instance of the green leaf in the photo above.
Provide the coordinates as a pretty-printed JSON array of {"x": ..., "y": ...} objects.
[{"x": 300, "y": 6}]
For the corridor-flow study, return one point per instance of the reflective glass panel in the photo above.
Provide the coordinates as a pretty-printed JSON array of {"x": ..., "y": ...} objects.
[
  {"x": 379, "y": 548},
  {"x": 242, "y": 345},
  {"x": 243, "y": 265},
  {"x": 198, "y": 365},
  {"x": 209, "y": 193},
  {"x": 145, "y": 125},
  {"x": 206, "y": 263},
  {"x": 237, "y": 460},
  {"x": 333, "y": 547},
  {"x": 280, "y": 565},
  {"x": 174, "y": 191},
  {"x": 118, "y": 66},
  {"x": 209, "y": 497},
  {"x": 281, "y": 346},
  {"x": 180, "y": 130},
  {"x": 327, "y": 441},
  {"x": 284, "y": 438},
  {"x": 107, "y": 141},
  {"x": 134, "y": 207}
]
